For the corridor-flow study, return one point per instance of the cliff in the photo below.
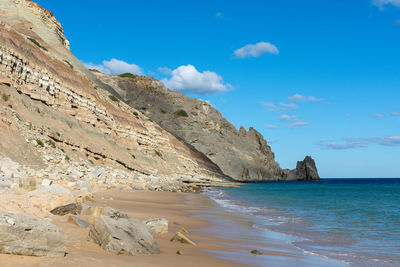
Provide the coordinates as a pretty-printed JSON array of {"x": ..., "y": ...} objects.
[
  {"x": 60, "y": 122},
  {"x": 240, "y": 154}
]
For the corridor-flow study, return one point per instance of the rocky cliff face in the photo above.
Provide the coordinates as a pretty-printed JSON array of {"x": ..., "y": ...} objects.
[
  {"x": 64, "y": 124},
  {"x": 242, "y": 155}
]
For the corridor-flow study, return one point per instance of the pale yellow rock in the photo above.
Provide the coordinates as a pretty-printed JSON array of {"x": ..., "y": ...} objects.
[{"x": 181, "y": 238}]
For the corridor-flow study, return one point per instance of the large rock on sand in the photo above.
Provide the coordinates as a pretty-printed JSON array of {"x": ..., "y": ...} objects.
[
  {"x": 157, "y": 226},
  {"x": 122, "y": 236},
  {"x": 23, "y": 235}
]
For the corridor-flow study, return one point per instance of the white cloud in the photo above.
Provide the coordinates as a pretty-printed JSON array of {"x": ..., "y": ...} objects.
[
  {"x": 115, "y": 67},
  {"x": 280, "y": 107},
  {"x": 360, "y": 142},
  {"x": 394, "y": 113},
  {"x": 377, "y": 115},
  {"x": 382, "y": 3},
  {"x": 289, "y": 118},
  {"x": 288, "y": 106},
  {"x": 297, "y": 124},
  {"x": 301, "y": 98},
  {"x": 270, "y": 126},
  {"x": 256, "y": 50},
  {"x": 189, "y": 79}
]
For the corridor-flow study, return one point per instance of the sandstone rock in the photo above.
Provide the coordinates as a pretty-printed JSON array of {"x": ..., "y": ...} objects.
[
  {"x": 157, "y": 226},
  {"x": 136, "y": 187},
  {"x": 66, "y": 209},
  {"x": 181, "y": 238},
  {"x": 28, "y": 183},
  {"x": 77, "y": 221},
  {"x": 122, "y": 236},
  {"x": 113, "y": 213},
  {"x": 51, "y": 197},
  {"x": 22, "y": 235}
]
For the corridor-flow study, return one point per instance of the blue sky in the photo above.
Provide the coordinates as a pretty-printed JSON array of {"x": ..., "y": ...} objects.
[{"x": 314, "y": 77}]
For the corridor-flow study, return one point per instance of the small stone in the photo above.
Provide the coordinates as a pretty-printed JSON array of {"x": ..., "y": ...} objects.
[
  {"x": 47, "y": 182},
  {"x": 183, "y": 230},
  {"x": 256, "y": 252},
  {"x": 181, "y": 238},
  {"x": 10, "y": 221},
  {"x": 180, "y": 252}
]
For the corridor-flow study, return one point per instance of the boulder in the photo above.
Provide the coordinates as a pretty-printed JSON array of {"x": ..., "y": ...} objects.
[
  {"x": 23, "y": 235},
  {"x": 181, "y": 238},
  {"x": 51, "y": 197},
  {"x": 157, "y": 226},
  {"x": 122, "y": 236}
]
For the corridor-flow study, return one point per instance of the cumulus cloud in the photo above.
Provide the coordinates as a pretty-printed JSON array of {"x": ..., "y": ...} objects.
[
  {"x": 281, "y": 107},
  {"x": 256, "y": 50},
  {"x": 382, "y": 3},
  {"x": 377, "y": 115},
  {"x": 394, "y": 113},
  {"x": 270, "y": 126},
  {"x": 360, "y": 142},
  {"x": 115, "y": 67},
  {"x": 288, "y": 118},
  {"x": 301, "y": 98},
  {"x": 297, "y": 124},
  {"x": 189, "y": 79}
]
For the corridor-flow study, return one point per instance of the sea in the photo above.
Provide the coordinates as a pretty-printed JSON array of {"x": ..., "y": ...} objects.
[{"x": 352, "y": 221}]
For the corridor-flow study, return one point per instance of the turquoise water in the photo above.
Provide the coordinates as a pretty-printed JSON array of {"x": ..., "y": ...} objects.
[{"x": 353, "y": 220}]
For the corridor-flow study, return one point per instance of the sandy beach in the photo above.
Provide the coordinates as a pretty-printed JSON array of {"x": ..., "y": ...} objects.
[{"x": 141, "y": 205}]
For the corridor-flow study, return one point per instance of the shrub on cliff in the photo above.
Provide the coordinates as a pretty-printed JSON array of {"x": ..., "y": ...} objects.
[
  {"x": 127, "y": 75},
  {"x": 113, "y": 98},
  {"x": 181, "y": 113}
]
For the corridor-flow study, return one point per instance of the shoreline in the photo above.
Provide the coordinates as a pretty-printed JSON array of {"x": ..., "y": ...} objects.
[{"x": 223, "y": 238}]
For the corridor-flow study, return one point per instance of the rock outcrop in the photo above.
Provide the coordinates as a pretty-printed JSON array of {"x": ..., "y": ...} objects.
[
  {"x": 123, "y": 236},
  {"x": 23, "y": 235},
  {"x": 305, "y": 170}
]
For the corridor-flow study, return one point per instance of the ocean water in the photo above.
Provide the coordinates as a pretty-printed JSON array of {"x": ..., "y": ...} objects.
[{"x": 356, "y": 221}]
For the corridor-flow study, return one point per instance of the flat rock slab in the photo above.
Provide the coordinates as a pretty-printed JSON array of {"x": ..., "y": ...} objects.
[
  {"x": 23, "y": 235},
  {"x": 157, "y": 226},
  {"x": 66, "y": 209},
  {"x": 181, "y": 238},
  {"x": 122, "y": 236}
]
